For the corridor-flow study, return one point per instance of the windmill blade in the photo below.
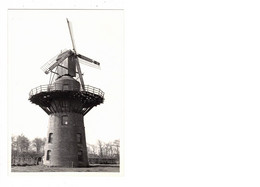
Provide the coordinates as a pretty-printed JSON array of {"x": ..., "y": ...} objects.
[
  {"x": 49, "y": 66},
  {"x": 81, "y": 61},
  {"x": 88, "y": 61},
  {"x": 79, "y": 71},
  {"x": 71, "y": 36}
]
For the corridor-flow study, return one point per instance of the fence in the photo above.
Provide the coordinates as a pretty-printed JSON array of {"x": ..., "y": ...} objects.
[{"x": 57, "y": 86}]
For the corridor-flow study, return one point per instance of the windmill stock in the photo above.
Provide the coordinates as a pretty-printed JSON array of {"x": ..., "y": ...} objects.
[{"x": 66, "y": 101}]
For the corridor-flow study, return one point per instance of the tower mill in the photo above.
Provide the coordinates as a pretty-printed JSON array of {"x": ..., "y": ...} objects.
[{"x": 66, "y": 100}]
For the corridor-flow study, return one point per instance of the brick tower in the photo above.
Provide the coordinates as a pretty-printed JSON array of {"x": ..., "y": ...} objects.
[{"x": 66, "y": 101}]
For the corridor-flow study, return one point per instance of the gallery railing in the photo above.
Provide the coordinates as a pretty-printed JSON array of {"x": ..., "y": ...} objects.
[{"x": 57, "y": 86}]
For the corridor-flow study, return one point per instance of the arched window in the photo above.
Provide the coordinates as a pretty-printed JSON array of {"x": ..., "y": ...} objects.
[
  {"x": 64, "y": 120},
  {"x": 79, "y": 139},
  {"x": 80, "y": 155},
  {"x": 50, "y": 138},
  {"x": 48, "y": 155}
]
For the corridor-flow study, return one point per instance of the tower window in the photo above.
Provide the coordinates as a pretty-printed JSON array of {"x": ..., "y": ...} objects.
[
  {"x": 80, "y": 156},
  {"x": 48, "y": 155},
  {"x": 64, "y": 120},
  {"x": 50, "y": 138},
  {"x": 79, "y": 139}
]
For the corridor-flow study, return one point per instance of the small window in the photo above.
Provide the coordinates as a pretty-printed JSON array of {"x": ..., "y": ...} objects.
[
  {"x": 80, "y": 156},
  {"x": 48, "y": 155},
  {"x": 64, "y": 120},
  {"x": 50, "y": 138},
  {"x": 79, "y": 139}
]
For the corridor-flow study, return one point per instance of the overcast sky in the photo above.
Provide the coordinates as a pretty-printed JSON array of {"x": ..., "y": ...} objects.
[{"x": 35, "y": 36}]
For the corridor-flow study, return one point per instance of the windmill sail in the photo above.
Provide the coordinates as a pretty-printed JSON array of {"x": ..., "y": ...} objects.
[
  {"x": 68, "y": 62},
  {"x": 71, "y": 36},
  {"x": 49, "y": 66},
  {"x": 88, "y": 61}
]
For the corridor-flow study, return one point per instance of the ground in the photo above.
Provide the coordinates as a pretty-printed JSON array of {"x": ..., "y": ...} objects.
[{"x": 92, "y": 168}]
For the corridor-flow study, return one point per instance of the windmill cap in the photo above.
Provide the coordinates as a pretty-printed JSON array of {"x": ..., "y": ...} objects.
[{"x": 66, "y": 82}]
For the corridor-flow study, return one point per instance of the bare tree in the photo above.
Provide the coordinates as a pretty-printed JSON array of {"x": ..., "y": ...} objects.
[
  {"x": 14, "y": 143},
  {"x": 14, "y": 149},
  {"x": 100, "y": 146},
  {"x": 109, "y": 149},
  {"x": 38, "y": 143},
  {"x": 23, "y": 143},
  {"x": 92, "y": 149},
  {"x": 116, "y": 143}
]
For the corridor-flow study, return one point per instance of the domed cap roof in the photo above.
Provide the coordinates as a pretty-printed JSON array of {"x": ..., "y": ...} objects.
[{"x": 67, "y": 83}]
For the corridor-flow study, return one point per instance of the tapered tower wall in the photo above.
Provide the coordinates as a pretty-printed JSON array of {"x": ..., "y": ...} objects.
[
  {"x": 66, "y": 103},
  {"x": 66, "y": 142}
]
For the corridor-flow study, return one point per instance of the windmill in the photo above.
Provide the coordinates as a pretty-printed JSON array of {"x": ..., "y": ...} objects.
[
  {"x": 66, "y": 101},
  {"x": 73, "y": 62}
]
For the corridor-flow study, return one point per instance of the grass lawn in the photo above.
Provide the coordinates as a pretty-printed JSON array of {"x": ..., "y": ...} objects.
[{"x": 41, "y": 168}]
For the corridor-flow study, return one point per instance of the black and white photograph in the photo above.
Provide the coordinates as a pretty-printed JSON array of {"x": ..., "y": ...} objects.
[
  {"x": 115, "y": 93},
  {"x": 65, "y": 87}
]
